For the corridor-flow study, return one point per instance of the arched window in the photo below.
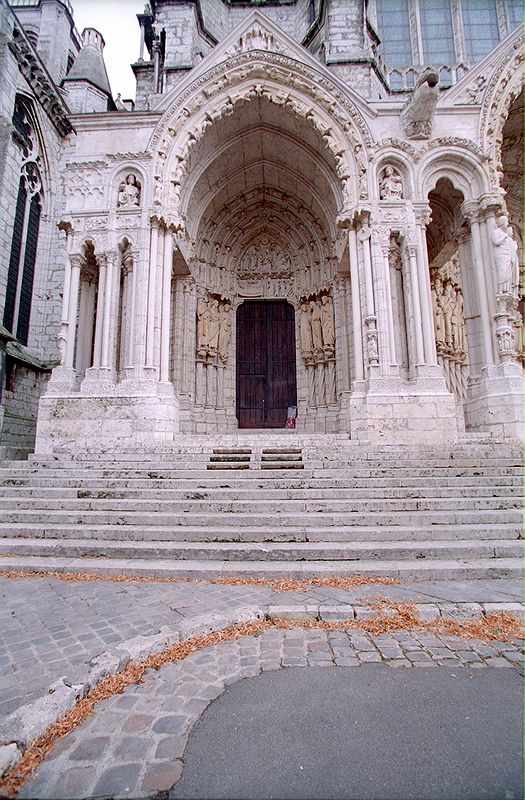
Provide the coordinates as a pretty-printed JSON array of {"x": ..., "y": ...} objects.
[
  {"x": 480, "y": 24},
  {"x": 437, "y": 32},
  {"x": 394, "y": 32},
  {"x": 24, "y": 239}
]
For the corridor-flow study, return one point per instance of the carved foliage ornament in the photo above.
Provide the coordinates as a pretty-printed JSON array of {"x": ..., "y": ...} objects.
[{"x": 266, "y": 66}]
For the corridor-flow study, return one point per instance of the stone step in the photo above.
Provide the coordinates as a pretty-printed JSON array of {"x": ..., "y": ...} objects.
[
  {"x": 213, "y": 505},
  {"x": 423, "y": 569},
  {"x": 269, "y": 531},
  {"x": 215, "y": 491},
  {"x": 253, "y": 551},
  {"x": 321, "y": 470},
  {"x": 261, "y": 481},
  {"x": 243, "y": 519}
]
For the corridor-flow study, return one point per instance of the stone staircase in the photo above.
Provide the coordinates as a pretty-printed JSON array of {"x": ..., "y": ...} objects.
[{"x": 267, "y": 505}]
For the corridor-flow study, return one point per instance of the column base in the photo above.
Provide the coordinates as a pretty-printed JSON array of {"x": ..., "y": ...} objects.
[
  {"x": 63, "y": 380},
  {"x": 495, "y": 401},
  {"x": 106, "y": 423},
  {"x": 391, "y": 410}
]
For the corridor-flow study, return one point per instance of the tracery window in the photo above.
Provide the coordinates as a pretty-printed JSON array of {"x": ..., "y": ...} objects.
[
  {"x": 24, "y": 240},
  {"x": 394, "y": 31},
  {"x": 437, "y": 32},
  {"x": 514, "y": 12},
  {"x": 480, "y": 27}
]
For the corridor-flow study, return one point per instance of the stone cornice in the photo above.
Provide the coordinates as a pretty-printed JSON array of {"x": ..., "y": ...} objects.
[{"x": 44, "y": 90}]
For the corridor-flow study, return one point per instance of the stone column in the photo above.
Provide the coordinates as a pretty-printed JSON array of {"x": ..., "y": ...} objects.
[
  {"x": 385, "y": 252},
  {"x": 76, "y": 264},
  {"x": 64, "y": 321},
  {"x": 85, "y": 324},
  {"x": 364, "y": 236},
  {"x": 108, "y": 320},
  {"x": 425, "y": 291},
  {"x": 99, "y": 321},
  {"x": 152, "y": 282},
  {"x": 417, "y": 331},
  {"x": 167, "y": 268},
  {"x": 471, "y": 211},
  {"x": 357, "y": 322}
]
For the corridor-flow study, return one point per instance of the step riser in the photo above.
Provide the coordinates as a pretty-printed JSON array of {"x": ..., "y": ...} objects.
[
  {"x": 244, "y": 519},
  {"x": 267, "y": 533},
  {"x": 287, "y": 506},
  {"x": 101, "y": 550},
  {"x": 20, "y": 493},
  {"x": 428, "y": 570}
]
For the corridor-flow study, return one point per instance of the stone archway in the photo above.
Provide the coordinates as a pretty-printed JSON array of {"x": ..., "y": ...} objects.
[{"x": 261, "y": 198}]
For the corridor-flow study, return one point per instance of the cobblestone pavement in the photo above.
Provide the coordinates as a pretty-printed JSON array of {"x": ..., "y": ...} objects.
[
  {"x": 50, "y": 628},
  {"x": 134, "y": 743}
]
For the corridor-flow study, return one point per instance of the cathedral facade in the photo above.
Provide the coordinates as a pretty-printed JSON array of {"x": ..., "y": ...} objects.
[{"x": 310, "y": 217}]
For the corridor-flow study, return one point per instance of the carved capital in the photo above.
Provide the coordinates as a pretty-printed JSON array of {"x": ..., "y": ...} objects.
[
  {"x": 470, "y": 209},
  {"x": 77, "y": 260}
]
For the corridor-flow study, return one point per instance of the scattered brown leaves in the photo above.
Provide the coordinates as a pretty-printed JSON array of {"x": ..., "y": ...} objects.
[
  {"x": 277, "y": 584},
  {"x": 500, "y": 625}
]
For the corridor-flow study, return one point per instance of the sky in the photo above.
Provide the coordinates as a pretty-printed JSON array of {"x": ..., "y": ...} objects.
[{"x": 117, "y": 22}]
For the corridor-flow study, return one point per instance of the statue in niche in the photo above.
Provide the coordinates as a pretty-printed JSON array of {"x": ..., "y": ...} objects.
[
  {"x": 506, "y": 258},
  {"x": 458, "y": 324},
  {"x": 225, "y": 327},
  {"x": 129, "y": 192},
  {"x": 327, "y": 321},
  {"x": 448, "y": 304},
  {"x": 418, "y": 114},
  {"x": 316, "y": 325},
  {"x": 305, "y": 330},
  {"x": 439, "y": 321},
  {"x": 208, "y": 326},
  {"x": 391, "y": 185}
]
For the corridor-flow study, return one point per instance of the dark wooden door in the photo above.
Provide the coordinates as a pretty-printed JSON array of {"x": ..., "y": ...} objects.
[{"x": 266, "y": 379}]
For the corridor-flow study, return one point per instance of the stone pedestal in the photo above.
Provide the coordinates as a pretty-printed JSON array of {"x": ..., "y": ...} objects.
[
  {"x": 495, "y": 401},
  {"x": 395, "y": 411}
]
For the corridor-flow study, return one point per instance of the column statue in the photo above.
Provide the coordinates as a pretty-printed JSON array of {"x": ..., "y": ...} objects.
[
  {"x": 506, "y": 258},
  {"x": 315, "y": 321},
  {"x": 439, "y": 322},
  {"x": 225, "y": 326},
  {"x": 327, "y": 321},
  {"x": 305, "y": 331}
]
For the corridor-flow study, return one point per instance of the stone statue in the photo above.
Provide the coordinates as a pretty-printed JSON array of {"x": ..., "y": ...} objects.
[
  {"x": 391, "y": 185},
  {"x": 448, "y": 304},
  {"x": 418, "y": 114},
  {"x": 305, "y": 330},
  {"x": 316, "y": 325},
  {"x": 208, "y": 326},
  {"x": 506, "y": 258},
  {"x": 439, "y": 322},
  {"x": 129, "y": 192},
  {"x": 327, "y": 321},
  {"x": 460, "y": 315},
  {"x": 225, "y": 327}
]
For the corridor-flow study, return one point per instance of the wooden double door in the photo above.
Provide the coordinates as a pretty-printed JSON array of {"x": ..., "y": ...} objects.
[{"x": 266, "y": 369}]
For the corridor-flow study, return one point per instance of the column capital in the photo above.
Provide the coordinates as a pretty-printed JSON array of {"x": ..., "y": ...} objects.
[
  {"x": 423, "y": 215},
  {"x": 491, "y": 203},
  {"x": 470, "y": 209},
  {"x": 77, "y": 260}
]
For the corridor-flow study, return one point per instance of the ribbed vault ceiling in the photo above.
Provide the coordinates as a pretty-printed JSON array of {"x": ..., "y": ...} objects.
[{"x": 262, "y": 175}]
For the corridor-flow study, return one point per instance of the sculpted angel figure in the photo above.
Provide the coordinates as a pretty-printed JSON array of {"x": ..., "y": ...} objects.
[
  {"x": 129, "y": 192},
  {"x": 506, "y": 258}
]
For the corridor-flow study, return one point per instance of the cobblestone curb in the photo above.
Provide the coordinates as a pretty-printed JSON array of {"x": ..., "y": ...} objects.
[{"x": 30, "y": 721}]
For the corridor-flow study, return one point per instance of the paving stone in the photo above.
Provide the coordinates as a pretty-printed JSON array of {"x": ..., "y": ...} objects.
[
  {"x": 138, "y": 722},
  {"x": 171, "y": 747},
  {"x": 120, "y": 779},
  {"x": 162, "y": 776},
  {"x": 90, "y": 749},
  {"x": 174, "y": 723}
]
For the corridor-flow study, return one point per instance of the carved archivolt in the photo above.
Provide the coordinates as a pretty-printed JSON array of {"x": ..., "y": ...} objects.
[
  {"x": 280, "y": 80},
  {"x": 504, "y": 87}
]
